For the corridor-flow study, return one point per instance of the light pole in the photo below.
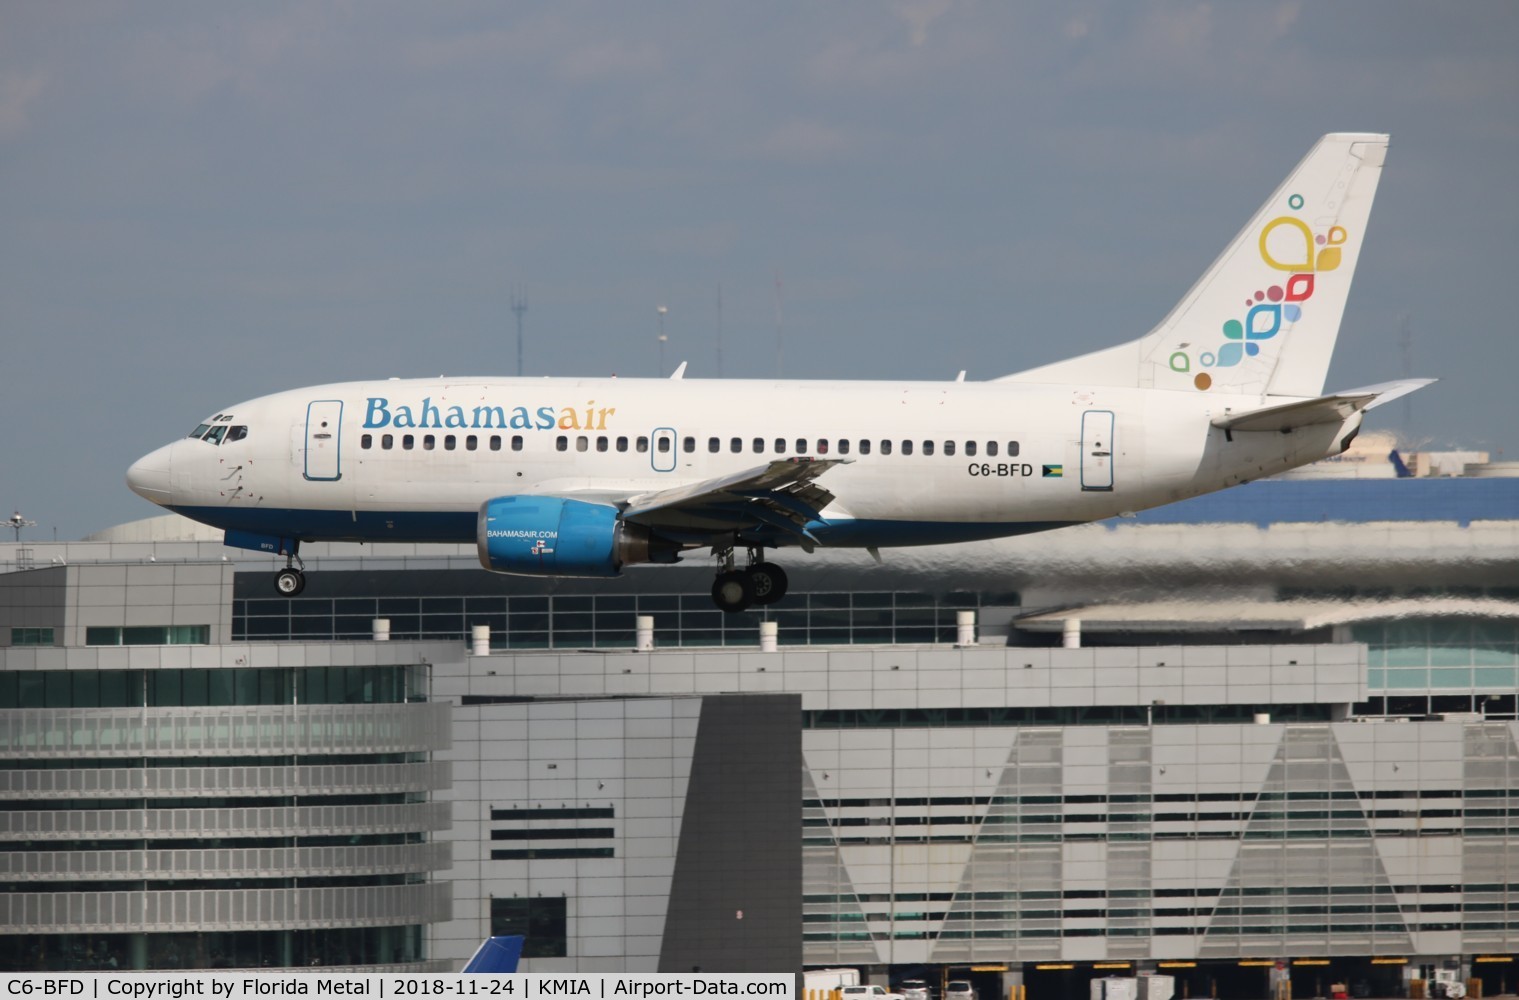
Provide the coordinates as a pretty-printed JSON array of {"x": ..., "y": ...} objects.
[
  {"x": 17, "y": 522},
  {"x": 663, "y": 340}
]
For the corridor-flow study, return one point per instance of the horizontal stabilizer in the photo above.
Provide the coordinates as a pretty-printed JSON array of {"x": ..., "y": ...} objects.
[{"x": 1331, "y": 409}]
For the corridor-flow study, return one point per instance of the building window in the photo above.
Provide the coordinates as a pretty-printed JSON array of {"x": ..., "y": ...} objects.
[
  {"x": 148, "y": 635},
  {"x": 31, "y": 637},
  {"x": 541, "y": 920}
]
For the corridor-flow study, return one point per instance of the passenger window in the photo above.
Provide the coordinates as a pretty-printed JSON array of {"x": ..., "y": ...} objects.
[
  {"x": 714, "y": 445},
  {"x": 991, "y": 449},
  {"x": 970, "y": 449},
  {"x": 864, "y": 446},
  {"x": 429, "y": 442},
  {"x": 663, "y": 445},
  {"x": 643, "y": 445},
  {"x": 601, "y": 443},
  {"x": 562, "y": 443},
  {"x": 780, "y": 446},
  {"x": 688, "y": 445},
  {"x": 949, "y": 447},
  {"x": 471, "y": 443},
  {"x": 886, "y": 447},
  {"x": 367, "y": 441},
  {"x": 822, "y": 446},
  {"x": 801, "y": 446},
  {"x": 387, "y": 441},
  {"x": 236, "y": 433},
  {"x": 736, "y": 445},
  {"x": 843, "y": 446},
  {"x": 408, "y": 442},
  {"x": 1012, "y": 449},
  {"x": 516, "y": 442},
  {"x": 907, "y": 447},
  {"x": 449, "y": 442},
  {"x": 495, "y": 442},
  {"x": 582, "y": 443},
  {"x": 759, "y": 446},
  {"x": 622, "y": 444}
]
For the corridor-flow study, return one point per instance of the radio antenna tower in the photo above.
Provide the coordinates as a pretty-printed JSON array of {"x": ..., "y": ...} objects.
[
  {"x": 780, "y": 327},
  {"x": 1406, "y": 346},
  {"x": 519, "y": 306}
]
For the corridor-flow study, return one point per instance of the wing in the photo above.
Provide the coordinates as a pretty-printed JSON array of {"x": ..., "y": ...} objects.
[{"x": 775, "y": 499}]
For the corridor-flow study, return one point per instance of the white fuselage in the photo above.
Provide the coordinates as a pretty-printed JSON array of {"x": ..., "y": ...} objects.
[{"x": 927, "y": 462}]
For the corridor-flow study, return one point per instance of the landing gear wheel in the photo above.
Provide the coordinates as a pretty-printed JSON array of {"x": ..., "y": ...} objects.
[
  {"x": 732, "y": 592},
  {"x": 768, "y": 581},
  {"x": 289, "y": 582}
]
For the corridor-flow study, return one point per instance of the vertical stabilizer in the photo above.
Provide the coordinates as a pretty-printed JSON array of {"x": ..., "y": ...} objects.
[{"x": 1264, "y": 317}]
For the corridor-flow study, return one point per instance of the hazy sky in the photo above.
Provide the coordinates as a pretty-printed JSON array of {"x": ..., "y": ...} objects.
[{"x": 203, "y": 202}]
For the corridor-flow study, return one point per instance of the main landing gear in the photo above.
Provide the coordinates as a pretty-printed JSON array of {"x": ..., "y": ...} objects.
[
  {"x": 292, "y": 579},
  {"x": 735, "y": 590}
]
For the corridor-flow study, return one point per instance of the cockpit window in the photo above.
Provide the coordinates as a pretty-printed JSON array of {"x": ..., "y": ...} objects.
[
  {"x": 236, "y": 433},
  {"x": 200, "y": 430},
  {"x": 216, "y": 434}
]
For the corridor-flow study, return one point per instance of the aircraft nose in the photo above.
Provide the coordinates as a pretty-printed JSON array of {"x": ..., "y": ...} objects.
[{"x": 149, "y": 476}]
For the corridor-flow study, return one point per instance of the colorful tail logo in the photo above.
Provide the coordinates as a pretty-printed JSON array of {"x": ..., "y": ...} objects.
[{"x": 1287, "y": 244}]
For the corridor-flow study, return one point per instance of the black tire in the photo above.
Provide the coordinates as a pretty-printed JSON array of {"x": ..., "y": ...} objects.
[
  {"x": 768, "y": 582},
  {"x": 289, "y": 582},
  {"x": 732, "y": 592}
]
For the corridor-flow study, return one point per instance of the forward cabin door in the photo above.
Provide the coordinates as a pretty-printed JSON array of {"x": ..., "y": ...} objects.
[
  {"x": 1097, "y": 450},
  {"x": 324, "y": 449}
]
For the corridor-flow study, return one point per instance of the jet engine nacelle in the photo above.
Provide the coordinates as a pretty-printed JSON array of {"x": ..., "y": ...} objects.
[{"x": 553, "y": 536}]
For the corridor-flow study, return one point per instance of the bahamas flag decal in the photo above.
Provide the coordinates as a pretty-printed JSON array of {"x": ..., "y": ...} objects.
[{"x": 1053, "y": 471}]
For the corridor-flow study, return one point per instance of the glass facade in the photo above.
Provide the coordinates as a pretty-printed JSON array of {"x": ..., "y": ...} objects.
[
  {"x": 1414, "y": 655},
  {"x": 583, "y": 621}
]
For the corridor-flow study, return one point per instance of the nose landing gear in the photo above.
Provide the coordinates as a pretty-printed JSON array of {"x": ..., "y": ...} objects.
[
  {"x": 760, "y": 583},
  {"x": 292, "y": 579}
]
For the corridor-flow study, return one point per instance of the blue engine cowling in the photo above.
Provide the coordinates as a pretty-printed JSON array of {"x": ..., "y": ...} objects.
[{"x": 553, "y": 536}]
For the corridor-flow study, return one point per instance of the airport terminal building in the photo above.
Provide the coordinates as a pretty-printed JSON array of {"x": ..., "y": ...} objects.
[{"x": 1261, "y": 735}]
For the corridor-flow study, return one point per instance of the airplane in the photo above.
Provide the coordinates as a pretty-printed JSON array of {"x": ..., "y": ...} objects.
[{"x": 581, "y": 477}]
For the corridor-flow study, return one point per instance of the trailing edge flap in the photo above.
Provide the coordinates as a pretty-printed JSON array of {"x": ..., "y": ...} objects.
[
  {"x": 780, "y": 494},
  {"x": 1330, "y": 409}
]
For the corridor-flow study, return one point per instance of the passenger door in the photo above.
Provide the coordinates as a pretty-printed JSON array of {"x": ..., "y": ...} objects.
[{"x": 324, "y": 443}]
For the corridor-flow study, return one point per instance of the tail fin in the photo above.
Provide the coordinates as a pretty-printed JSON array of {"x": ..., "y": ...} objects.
[{"x": 1264, "y": 317}]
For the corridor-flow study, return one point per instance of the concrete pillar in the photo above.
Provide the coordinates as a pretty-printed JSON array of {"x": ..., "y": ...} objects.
[
  {"x": 644, "y": 634},
  {"x": 770, "y": 636},
  {"x": 965, "y": 628},
  {"x": 480, "y": 639},
  {"x": 381, "y": 628},
  {"x": 1072, "y": 635}
]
